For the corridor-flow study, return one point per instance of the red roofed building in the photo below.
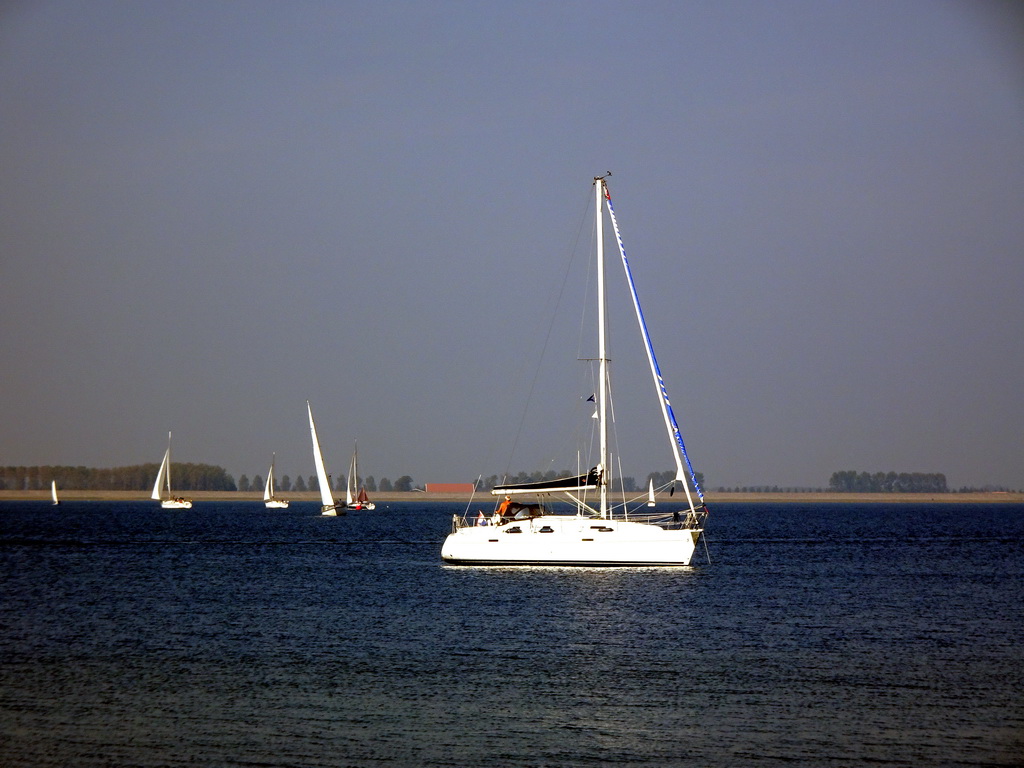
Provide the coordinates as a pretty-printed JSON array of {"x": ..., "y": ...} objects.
[{"x": 449, "y": 487}]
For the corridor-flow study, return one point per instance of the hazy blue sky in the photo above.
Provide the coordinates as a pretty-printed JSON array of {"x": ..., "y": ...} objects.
[{"x": 212, "y": 211}]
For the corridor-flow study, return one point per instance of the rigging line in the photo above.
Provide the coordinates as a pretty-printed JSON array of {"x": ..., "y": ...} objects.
[
  {"x": 469, "y": 503},
  {"x": 544, "y": 347}
]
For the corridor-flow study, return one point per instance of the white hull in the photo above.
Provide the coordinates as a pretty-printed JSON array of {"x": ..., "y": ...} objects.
[
  {"x": 276, "y": 504},
  {"x": 365, "y": 505},
  {"x": 176, "y": 504},
  {"x": 329, "y": 512},
  {"x": 570, "y": 540}
]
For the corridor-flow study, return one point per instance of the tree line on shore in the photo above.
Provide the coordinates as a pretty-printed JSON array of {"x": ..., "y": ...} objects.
[
  {"x": 188, "y": 477},
  {"x": 207, "y": 477},
  {"x": 285, "y": 484},
  {"x": 851, "y": 481},
  {"x": 184, "y": 476}
]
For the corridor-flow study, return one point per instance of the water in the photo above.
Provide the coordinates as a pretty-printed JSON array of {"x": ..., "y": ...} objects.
[{"x": 230, "y": 635}]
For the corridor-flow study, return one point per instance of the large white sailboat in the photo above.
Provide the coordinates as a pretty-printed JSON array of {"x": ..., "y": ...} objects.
[
  {"x": 328, "y": 506},
  {"x": 270, "y": 500},
  {"x": 598, "y": 533},
  {"x": 162, "y": 486},
  {"x": 356, "y": 499}
]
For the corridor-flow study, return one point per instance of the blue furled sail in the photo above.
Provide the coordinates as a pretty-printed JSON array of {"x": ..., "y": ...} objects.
[{"x": 675, "y": 436}]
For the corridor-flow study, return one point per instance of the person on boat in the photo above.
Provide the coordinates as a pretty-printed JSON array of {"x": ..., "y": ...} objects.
[{"x": 502, "y": 508}]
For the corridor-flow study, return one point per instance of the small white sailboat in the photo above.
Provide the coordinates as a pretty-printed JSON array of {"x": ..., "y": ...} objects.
[
  {"x": 162, "y": 486},
  {"x": 650, "y": 492},
  {"x": 269, "y": 499},
  {"x": 599, "y": 533},
  {"x": 53, "y": 492},
  {"x": 356, "y": 499},
  {"x": 328, "y": 506}
]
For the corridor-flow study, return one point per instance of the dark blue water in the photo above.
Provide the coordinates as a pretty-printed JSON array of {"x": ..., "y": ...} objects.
[{"x": 230, "y": 635}]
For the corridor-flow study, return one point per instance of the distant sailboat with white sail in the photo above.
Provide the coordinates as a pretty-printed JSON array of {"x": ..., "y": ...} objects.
[
  {"x": 328, "y": 506},
  {"x": 53, "y": 492},
  {"x": 162, "y": 486},
  {"x": 269, "y": 499},
  {"x": 356, "y": 499}
]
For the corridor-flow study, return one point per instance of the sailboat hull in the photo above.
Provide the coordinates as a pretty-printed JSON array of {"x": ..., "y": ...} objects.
[
  {"x": 573, "y": 541},
  {"x": 176, "y": 504},
  {"x": 276, "y": 504}
]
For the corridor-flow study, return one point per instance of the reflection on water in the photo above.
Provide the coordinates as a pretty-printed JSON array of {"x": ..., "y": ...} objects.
[{"x": 233, "y": 635}]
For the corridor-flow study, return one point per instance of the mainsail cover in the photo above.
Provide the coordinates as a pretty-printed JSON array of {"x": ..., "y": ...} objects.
[{"x": 590, "y": 481}]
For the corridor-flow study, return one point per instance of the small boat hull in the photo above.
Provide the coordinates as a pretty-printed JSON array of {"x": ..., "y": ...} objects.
[
  {"x": 570, "y": 540},
  {"x": 276, "y": 504},
  {"x": 176, "y": 504}
]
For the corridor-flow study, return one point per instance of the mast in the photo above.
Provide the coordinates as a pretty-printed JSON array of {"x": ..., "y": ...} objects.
[
  {"x": 599, "y": 192},
  {"x": 168, "y": 465},
  {"x": 350, "y": 483}
]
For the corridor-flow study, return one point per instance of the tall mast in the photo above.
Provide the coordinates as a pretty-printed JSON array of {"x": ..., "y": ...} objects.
[
  {"x": 601, "y": 342},
  {"x": 168, "y": 465}
]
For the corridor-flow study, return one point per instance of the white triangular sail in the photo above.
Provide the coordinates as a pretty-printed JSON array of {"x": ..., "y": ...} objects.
[
  {"x": 353, "y": 469},
  {"x": 650, "y": 492},
  {"x": 328, "y": 506},
  {"x": 268, "y": 489},
  {"x": 53, "y": 492},
  {"x": 269, "y": 498},
  {"x": 162, "y": 475}
]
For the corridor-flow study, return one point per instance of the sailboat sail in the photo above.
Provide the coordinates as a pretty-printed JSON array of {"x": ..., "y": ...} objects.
[
  {"x": 162, "y": 475},
  {"x": 268, "y": 489},
  {"x": 675, "y": 435},
  {"x": 323, "y": 480},
  {"x": 53, "y": 492},
  {"x": 351, "y": 482}
]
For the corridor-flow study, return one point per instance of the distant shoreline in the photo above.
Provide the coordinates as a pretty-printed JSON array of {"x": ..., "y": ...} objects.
[{"x": 485, "y": 499}]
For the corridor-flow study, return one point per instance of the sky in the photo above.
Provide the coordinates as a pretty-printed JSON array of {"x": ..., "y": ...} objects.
[{"x": 211, "y": 212}]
